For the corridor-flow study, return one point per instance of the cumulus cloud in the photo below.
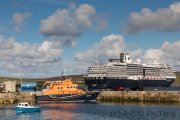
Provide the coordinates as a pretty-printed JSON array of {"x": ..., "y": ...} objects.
[
  {"x": 19, "y": 20},
  {"x": 108, "y": 47},
  {"x": 36, "y": 56},
  {"x": 153, "y": 53},
  {"x": 68, "y": 24},
  {"x": 112, "y": 45},
  {"x": 167, "y": 54},
  {"x": 164, "y": 19},
  {"x": 83, "y": 15}
]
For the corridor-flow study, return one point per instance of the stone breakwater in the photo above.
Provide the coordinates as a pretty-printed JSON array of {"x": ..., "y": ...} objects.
[
  {"x": 11, "y": 98},
  {"x": 131, "y": 96},
  {"x": 135, "y": 96}
]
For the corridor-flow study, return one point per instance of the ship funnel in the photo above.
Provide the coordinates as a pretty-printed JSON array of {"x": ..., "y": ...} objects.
[
  {"x": 127, "y": 58},
  {"x": 122, "y": 58}
]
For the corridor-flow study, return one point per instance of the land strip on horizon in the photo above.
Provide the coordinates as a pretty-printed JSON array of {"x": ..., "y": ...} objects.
[{"x": 78, "y": 79}]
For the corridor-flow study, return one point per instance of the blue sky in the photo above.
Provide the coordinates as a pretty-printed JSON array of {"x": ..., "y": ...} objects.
[{"x": 49, "y": 34}]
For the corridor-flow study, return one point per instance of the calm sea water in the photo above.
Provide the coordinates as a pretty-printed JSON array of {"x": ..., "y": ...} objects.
[{"x": 95, "y": 111}]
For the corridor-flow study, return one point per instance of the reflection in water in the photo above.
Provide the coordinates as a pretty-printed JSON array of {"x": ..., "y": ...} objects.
[
  {"x": 59, "y": 111},
  {"x": 23, "y": 116},
  {"x": 6, "y": 110},
  {"x": 140, "y": 103},
  {"x": 96, "y": 110}
]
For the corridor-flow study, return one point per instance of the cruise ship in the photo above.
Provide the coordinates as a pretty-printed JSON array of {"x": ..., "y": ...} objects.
[{"x": 126, "y": 73}]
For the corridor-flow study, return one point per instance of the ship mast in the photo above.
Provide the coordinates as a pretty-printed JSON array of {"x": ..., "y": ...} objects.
[{"x": 63, "y": 71}]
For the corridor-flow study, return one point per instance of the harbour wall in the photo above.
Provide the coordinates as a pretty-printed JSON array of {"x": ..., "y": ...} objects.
[
  {"x": 135, "y": 96},
  {"x": 131, "y": 96},
  {"x": 15, "y": 97}
]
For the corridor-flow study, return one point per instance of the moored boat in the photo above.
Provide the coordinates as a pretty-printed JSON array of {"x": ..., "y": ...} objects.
[
  {"x": 25, "y": 106},
  {"x": 127, "y": 73},
  {"x": 65, "y": 91}
]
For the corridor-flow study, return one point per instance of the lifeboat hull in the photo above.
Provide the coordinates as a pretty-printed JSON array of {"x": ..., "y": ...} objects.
[{"x": 83, "y": 97}]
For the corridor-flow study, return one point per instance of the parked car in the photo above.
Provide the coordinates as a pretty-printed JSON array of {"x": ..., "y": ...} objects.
[
  {"x": 118, "y": 88},
  {"x": 136, "y": 88}
]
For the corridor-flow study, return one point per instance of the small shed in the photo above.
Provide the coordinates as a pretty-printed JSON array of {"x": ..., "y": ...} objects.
[
  {"x": 10, "y": 85},
  {"x": 28, "y": 86}
]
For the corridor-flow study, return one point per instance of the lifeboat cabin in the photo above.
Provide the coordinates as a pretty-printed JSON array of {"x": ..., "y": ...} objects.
[{"x": 61, "y": 87}]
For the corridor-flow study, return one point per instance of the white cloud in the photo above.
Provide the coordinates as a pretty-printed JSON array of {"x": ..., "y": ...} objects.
[
  {"x": 168, "y": 53},
  {"x": 37, "y": 57},
  {"x": 112, "y": 45},
  {"x": 68, "y": 24},
  {"x": 60, "y": 24},
  {"x": 84, "y": 14},
  {"x": 19, "y": 20},
  {"x": 109, "y": 47},
  {"x": 43, "y": 60},
  {"x": 135, "y": 54},
  {"x": 153, "y": 53},
  {"x": 164, "y": 19}
]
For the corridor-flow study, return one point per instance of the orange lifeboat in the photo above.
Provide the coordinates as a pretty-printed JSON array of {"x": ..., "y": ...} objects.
[{"x": 60, "y": 87}]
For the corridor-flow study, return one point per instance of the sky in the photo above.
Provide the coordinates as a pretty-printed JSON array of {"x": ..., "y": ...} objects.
[{"x": 39, "y": 38}]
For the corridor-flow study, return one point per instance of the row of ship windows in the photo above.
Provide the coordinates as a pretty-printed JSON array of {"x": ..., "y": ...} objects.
[
  {"x": 99, "y": 67},
  {"x": 96, "y": 69},
  {"x": 139, "y": 72},
  {"x": 94, "y": 77},
  {"x": 67, "y": 87},
  {"x": 95, "y": 81},
  {"x": 116, "y": 77},
  {"x": 96, "y": 73},
  {"x": 123, "y": 71}
]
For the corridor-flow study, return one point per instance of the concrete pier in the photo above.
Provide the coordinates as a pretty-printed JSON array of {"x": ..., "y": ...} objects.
[
  {"x": 135, "y": 96},
  {"x": 131, "y": 96},
  {"x": 15, "y": 97}
]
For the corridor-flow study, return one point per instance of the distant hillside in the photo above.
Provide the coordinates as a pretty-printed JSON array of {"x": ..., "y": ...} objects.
[
  {"x": 40, "y": 81},
  {"x": 177, "y": 81}
]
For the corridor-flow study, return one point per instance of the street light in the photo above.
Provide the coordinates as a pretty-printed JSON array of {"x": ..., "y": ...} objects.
[{"x": 21, "y": 74}]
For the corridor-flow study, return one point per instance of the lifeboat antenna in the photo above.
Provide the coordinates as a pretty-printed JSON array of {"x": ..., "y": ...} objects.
[
  {"x": 65, "y": 73},
  {"x": 61, "y": 76}
]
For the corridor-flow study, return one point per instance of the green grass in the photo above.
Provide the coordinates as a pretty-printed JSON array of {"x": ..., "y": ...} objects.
[{"x": 177, "y": 81}]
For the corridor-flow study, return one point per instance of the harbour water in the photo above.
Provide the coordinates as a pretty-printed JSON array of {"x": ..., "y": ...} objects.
[{"x": 95, "y": 111}]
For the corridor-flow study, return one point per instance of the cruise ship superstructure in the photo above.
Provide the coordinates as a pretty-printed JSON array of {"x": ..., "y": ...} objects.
[{"x": 123, "y": 72}]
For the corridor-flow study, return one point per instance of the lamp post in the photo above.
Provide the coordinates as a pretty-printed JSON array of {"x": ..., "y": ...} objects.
[{"x": 21, "y": 73}]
